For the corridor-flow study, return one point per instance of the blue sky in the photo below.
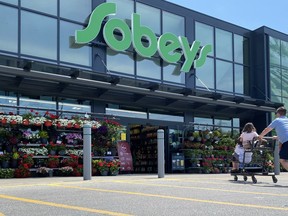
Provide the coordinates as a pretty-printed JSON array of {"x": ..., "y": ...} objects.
[{"x": 250, "y": 14}]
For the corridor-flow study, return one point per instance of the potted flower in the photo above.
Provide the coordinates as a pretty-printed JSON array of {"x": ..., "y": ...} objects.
[
  {"x": 52, "y": 148},
  {"x": 78, "y": 171},
  {"x": 61, "y": 149},
  {"x": 22, "y": 171},
  {"x": 114, "y": 167},
  {"x": 6, "y": 173},
  {"x": 44, "y": 172},
  {"x": 53, "y": 161},
  {"x": 14, "y": 161},
  {"x": 49, "y": 118},
  {"x": 66, "y": 170},
  {"x": 101, "y": 166},
  {"x": 43, "y": 136},
  {"x": 28, "y": 159}
]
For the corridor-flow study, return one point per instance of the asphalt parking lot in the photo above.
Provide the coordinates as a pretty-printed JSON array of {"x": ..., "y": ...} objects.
[{"x": 186, "y": 194}]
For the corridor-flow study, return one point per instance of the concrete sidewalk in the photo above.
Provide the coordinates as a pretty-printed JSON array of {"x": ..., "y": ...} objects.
[{"x": 176, "y": 194}]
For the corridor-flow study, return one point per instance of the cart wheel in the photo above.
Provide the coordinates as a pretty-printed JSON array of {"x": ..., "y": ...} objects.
[
  {"x": 235, "y": 178},
  {"x": 254, "y": 179},
  {"x": 275, "y": 180},
  {"x": 245, "y": 178}
]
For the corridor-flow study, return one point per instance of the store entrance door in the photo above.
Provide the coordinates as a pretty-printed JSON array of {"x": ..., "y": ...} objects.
[{"x": 143, "y": 140}]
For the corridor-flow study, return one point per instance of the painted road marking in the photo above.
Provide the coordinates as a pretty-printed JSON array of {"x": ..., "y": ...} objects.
[
  {"x": 78, "y": 208},
  {"x": 202, "y": 188},
  {"x": 173, "y": 197},
  {"x": 1, "y": 214}
]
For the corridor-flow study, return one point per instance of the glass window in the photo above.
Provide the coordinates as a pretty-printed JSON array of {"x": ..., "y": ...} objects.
[
  {"x": 49, "y": 7},
  {"x": 274, "y": 45},
  {"x": 126, "y": 113},
  {"x": 284, "y": 54},
  {"x": 9, "y": 37},
  {"x": 275, "y": 80},
  {"x": 38, "y": 35},
  {"x": 203, "y": 121},
  {"x": 125, "y": 8},
  {"x": 78, "y": 10},
  {"x": 120, "y": 62},
  {"x": 15, "y": 2},
  {"x": 224, "y": 44},
  {"x": 223, "y": 123},
  {"x": 239, "y": 79},
  {"x": 150, "y": 17},
  {"x": 284, "y": 83},
  {"x": 241, "y": 49},
  {"x": 204, "y": 34},
  {"x": 26, "y": 102},
  {"x": 75, "y": 108},
  {"x": 164, "y": 117},
  {"x": 173, "y": 23},
  {"x": 11, "y": 101},
  {"x": 69, "y": 51},
  {"x": 172, "y": 73},
  {"x": 206, "y": 74},
  {"x": 236, "y": 122},
  {"x": 224, "y": 76},
  {"x": 149, "y": 68}
]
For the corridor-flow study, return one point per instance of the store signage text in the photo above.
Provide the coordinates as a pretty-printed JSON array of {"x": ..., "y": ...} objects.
[{"x": 167, "y": 44}]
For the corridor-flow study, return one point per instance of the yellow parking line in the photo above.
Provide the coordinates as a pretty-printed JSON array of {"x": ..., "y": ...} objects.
[
  {"x": 39, "y": 202},
  {"x": 1, "y": 214},
  {"x": 174, "y": 197},
  {"x": 202, "y": 188}
]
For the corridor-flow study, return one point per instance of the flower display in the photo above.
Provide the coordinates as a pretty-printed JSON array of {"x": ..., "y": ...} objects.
[
  {"x": 43, "y": 170},
  {"x": 70, "y": 137},
  {"x": 78, "y": 152},
  {"x": 100, "y": 165},
  {"x": 72, "y": 161},
  {"x": 43, "y": 151},
  {"x": 28, "y": 160},
  {"x": 22, "y": 171},
  {"x": 53, "y": 161},
  {"x": 66, "y": 171},
  {"x": 114, "y": 165}
]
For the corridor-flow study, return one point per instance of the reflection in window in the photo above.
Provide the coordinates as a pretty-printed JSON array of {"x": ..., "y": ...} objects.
[
  {"x": 38, "y": 35},
  {"x": 120, "y": 62},
  {"x": 149, "y": 68},
  {"x": 9, "y": 36},
  {"x": 275, "y": 80},
  {"x": 172, "y": 73},
  {"x": 49, "y": 7},
  {"x": 124, "y": 9},
  {"x": 10, "y": 101},
  {"x": 206, "y": 74},
  {"x": 75, "y": 108},
  {"x": 223, "y": 123},
  {"x": 284, "y": 54},
  {"x": 274, "y": 45},
  {"x": 224, "y": 76},
  {"x": 241, "y": 49},
  {"x": 204, "y": 33},
  {"x": 26, "y": 102},
  {"x": 78, "y": 10},
  {"x": 69, "y": 52},
  {"x": 173, "y": 24},
  {"x": 206, "y": 123},
  {"x": 239, "y": 79},
  {"x": 284, "y": 83},
  {"x": 150, "y": 17},
  {"x": 224, "y": 44},
  {"x": 15, "y": 2},
  {"x": 126, "y": 113},
  {"x": 236, "y": 122},
  {"x": 164, "y": 117}
]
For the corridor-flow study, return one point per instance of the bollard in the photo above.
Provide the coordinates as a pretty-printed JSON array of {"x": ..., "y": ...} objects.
[
  {"x": 276, "y": 159},
  {"x": 87, "y": 159},
  {"x": 160, "y": 148}
]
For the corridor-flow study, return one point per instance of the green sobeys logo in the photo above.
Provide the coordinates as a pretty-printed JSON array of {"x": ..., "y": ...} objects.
[{"x": 167, "y": 44}]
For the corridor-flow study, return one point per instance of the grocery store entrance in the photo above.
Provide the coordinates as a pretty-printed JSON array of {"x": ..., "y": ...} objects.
[{"x": 143, "y": 140}]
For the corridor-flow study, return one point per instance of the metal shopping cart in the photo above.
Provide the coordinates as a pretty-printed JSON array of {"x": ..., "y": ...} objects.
[{"x": 262, "y": 158}]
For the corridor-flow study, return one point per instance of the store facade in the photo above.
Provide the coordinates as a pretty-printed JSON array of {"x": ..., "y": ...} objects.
[{"x": 205, "y": 71}]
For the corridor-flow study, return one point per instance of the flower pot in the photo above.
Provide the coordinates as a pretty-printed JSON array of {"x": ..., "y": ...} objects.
[
  {"x": 52, "y": 152},
  {"x": 76, "y": 126},
  {"x": 48, "y": 123},
  {"x": 25, "y": 122},
  {"x": 5, "y": 164},
  {"x": 69, "y": 125},
  {"x": 13, "y": 122},
  {"x": 114, "y": 173},
  {"x": 62, "y": 152},
  {"x": 104, "y": 173},
  {"x": 4, "y": 121},
  {"x": 43, "y": 140},
  {"x": 14, "y": 163}
]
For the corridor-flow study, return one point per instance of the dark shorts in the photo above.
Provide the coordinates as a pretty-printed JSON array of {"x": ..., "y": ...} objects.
[{"x": 284, "y": 151}]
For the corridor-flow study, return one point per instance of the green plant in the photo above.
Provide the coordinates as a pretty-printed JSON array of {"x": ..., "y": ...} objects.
[
  {"x": 196, "y": 134},
  {"x": 43, "y": 134},
  {"x": 15, "y": 155},
  {"x": 22, "y": 171},
  {"x": 6, "y": 173},
  {"x": 100, "y": 165},
  {"x": 114, "y": 165},
  {"x": 216, "y": 133},
  {"x": 5, "y": 157}
]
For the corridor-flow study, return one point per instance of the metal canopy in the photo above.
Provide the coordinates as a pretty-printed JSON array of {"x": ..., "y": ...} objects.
[{"x": 67, "y": 82}]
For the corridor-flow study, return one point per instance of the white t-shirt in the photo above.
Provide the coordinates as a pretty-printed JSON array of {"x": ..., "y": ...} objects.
[{"x": 246, "y": 137}]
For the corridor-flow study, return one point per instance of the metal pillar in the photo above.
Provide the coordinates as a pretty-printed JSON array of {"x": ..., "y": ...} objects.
[
  {"x": 87, "y": 159},
  {"x": 160, "y": 148},
  {"x": 276, "y": 159}
]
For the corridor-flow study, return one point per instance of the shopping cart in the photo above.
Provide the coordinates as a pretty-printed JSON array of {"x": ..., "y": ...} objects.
[{"x": 262, "y": 158}]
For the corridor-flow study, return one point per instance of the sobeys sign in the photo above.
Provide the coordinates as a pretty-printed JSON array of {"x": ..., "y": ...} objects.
[{"x": 166, "y": 45}]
